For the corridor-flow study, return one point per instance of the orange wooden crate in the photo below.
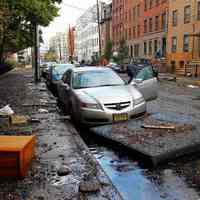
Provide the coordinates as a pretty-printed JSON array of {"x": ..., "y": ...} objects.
[{"x": 16, "y": 154}]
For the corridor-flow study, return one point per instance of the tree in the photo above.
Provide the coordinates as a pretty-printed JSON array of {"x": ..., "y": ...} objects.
[
  {"x": 108, "y": 50},
  {"x": 51, "y": 56},
  {"x": 123, "y": 51},
  {"x": 17, "y": 21}
]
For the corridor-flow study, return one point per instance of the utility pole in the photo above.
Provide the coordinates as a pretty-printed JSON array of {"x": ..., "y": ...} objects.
[
  {"x": 99, "y": 29},
  {"x": 60, "y": 53},
  {"x": 36, "y": 64}
]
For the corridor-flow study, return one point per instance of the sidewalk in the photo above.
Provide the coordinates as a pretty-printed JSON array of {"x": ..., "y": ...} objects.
[{"x": 64, "y": 169}]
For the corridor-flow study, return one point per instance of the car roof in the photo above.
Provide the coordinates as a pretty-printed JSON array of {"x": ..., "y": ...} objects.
[
  {"x": 64, "y": 64},
  {"x": 84, "y": 69}
]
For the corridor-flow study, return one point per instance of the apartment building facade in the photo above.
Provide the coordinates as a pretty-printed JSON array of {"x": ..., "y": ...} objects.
[
  {"x": 143, "y": 24},
  {"x": 59, "y": 44},
  {"x": 154, "y": 28},
  {"x": 106, "y": 24},
  {"x": 183, "y": 34},
  {"x": 132, "y": 27},
  {"x": 118, "y": 8},
  {"x": 86, "y": 35}
]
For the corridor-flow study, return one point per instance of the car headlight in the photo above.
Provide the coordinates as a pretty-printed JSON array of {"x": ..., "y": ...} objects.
[
  {"x": 139, "y": 100},
  {"x": 91, "y": 105}
]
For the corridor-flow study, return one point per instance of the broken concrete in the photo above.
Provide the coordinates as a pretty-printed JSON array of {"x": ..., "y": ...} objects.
[{"x": 158, "y": 142}]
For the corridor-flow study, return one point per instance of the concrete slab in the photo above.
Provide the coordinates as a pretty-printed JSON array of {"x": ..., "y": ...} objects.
[{"x": 156, "y": 145}]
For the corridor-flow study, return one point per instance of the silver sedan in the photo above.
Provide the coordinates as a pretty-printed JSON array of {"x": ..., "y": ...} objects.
[{"x": 97, "y": 95}]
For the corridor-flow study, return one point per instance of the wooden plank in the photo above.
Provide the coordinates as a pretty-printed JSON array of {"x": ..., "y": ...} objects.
[{"x": 169, "y": 127}]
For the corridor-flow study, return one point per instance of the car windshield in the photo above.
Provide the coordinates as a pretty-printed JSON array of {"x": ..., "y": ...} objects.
[
  {"x": 96, "y": 78},
  {"x": 59, "y": 70}
]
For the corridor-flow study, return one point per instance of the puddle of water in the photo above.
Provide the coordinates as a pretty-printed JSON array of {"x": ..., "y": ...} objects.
[
  {"x": 136, "y": 183},
  {"x": 173, "y": 117}
]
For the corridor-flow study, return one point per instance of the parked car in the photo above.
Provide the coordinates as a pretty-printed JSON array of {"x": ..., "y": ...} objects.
[
  {"x": 137, "y": 65},
  {"x": 44, "y": 67},
  {"x": 98, "y": 95},
  {"x": 141, "y": 61},
  {"x": 55, "y": 73},
  {"x": 116, "y": 67}
]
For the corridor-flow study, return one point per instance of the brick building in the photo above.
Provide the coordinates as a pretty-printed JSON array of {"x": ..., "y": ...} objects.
[
  {"x": 154, "y": 27},
  {"x": 117, "y": 22},
  {"x": 132, "y": 22},
  {"x": 106, "y": 24},
  {"x": 183, "y": 34},
  {"x": 143, "y": 24}
]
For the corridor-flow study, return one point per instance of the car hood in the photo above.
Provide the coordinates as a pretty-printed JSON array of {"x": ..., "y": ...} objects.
[{"x": 110, "y": 94}]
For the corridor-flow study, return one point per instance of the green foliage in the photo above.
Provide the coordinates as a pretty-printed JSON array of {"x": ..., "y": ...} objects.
[
  {"x": 123, "y": 51},
  {"x": 108, "y": 50},
  {"x": 50, "y": 56},
  {"x": 17, "y": 20}
]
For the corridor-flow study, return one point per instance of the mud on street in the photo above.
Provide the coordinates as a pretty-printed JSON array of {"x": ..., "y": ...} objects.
[{"x": 64, "y": 168}]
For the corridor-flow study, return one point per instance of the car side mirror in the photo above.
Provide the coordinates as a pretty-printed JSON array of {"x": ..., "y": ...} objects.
[{"x": 138, "y": 81}]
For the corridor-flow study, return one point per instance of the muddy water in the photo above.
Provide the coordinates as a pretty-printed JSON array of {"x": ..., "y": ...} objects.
[{"x": 136, "y": 182}]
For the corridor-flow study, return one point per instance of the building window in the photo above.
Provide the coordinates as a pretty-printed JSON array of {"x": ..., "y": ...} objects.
[
  {"x": 126, "y": 34},
  {"x": 175, "y": 17},
  {"x": 134, "y": 32},
  {"x": 150, "y": 47},
  {"x": 174, "y": 44},
  {"x": 129, "y": 33},
  {"x": 198, "y": 10},
  {"x": 138, "y": 10},
  {"x": 187, "y": 14},
  {"x": 145, "y": 26},
  {"x": 134, "y": 13},
  {"x": 155, "y": 46},
  {"x": 138, "y": 30},
  {"x": 157, "y": 2},
  {"x": 145, "y": 48},
  {"x": 136, "y": 50},
  {"x": 186, "y": 43},
  {"x": 156, "y": 23},
  {"x": 131, "y": 51},
  {"x": 150, "y": 25},
  {"x": 145, "y": 4},
  {"x": 164, "y": 21},
  {"x": 150, "y": 4}
]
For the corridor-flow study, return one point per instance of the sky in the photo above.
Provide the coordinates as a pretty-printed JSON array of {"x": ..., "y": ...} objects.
[{"x": 70, "y": 11}]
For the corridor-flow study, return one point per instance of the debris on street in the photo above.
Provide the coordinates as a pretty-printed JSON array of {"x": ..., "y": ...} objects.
[
  {"x": 153, "y": 139},
  {"x": 62, "y": 158},
  {"x": 89, "y": 186},
  {"x": 18, "y": 119},
  {"x": 63, "y": 171},
  {"x": 158, "y": 127},
  {"x": 16, "y": 153},
  {"x": 7, "y": 110},
  {"x": 43, "y": 110},
  {"x": 193, "y": 86}
]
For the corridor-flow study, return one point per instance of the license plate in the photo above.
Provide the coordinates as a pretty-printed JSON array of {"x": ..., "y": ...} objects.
[{"x": 120, "y": 117}]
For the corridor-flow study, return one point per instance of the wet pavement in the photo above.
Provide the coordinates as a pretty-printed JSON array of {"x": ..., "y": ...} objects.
[
  {"x": 61, "y": 151},
  {"x": 176, "y": 180},
  {"x": 173, "y": 181},
  {"x": 63, "y": 168}
]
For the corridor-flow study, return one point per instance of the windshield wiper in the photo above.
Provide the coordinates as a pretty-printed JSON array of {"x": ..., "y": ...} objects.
[{"x": 109, "y": 85}]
